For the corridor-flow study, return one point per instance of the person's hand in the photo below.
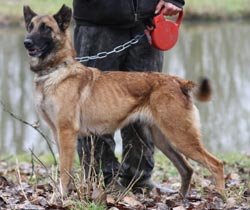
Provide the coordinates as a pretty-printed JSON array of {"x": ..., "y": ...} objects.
[{"x": 169, "y": 9}]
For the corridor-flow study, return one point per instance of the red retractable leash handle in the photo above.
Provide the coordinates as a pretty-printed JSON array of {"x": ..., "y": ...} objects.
[
  {"x": 164, "y": 34},
  {"x": 179, "y": 19}
]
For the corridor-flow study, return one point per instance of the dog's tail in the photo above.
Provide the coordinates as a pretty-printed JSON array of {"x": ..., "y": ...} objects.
[{"x": 201, "y": 92}]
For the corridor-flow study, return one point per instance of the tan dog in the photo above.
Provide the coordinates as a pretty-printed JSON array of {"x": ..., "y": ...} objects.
[{"x": 76, "y": 100}]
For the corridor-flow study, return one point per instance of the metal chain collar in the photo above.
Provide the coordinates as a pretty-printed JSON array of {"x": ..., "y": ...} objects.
[{"x": 117, "y": 49}]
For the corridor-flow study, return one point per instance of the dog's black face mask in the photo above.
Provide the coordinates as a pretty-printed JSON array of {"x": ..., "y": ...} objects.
[{"x": 41, "y": 40}]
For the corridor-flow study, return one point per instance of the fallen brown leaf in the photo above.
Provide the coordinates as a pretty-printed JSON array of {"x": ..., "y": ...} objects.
[
  {"x": 110, "y": 200},
  {"x": 98, "y": 195},
  {"x": 179, "y": 208},
  {"x": 230, "y": 203},
  {"x": 131, "y": 201}
]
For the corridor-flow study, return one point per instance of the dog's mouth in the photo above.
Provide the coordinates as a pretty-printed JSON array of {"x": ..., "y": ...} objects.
[
  {"x": 32, "y": 48},
  {"x": 34, "y": 52}
]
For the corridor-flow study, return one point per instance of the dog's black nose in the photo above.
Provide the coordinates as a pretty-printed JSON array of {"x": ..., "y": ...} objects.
[{"x": 28, "y": 43}]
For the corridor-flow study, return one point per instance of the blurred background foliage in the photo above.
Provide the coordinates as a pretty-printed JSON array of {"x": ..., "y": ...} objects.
[{"x": 11, "y": 10}]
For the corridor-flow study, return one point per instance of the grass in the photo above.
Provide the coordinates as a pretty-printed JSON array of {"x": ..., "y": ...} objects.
[
  {"x": 214, "y": 9},
  {"x": 26, "y": 157},
  {"x": 79, "y": 205},
  {"x": 162, "y": 163},
  {"x": 11, "y": 10},
  {"x": 236, "y": 165},
  {"x": 15, "y": 8},
  {"x": 220, "y": 6}
]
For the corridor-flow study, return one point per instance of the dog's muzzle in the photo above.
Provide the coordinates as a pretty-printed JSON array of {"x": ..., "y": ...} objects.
[{"x": 32, "y": 49}]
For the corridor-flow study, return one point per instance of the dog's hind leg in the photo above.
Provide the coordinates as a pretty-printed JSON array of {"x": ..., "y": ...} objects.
[
  {"x": 175, "y": 157},
  {"x": 181, "y": 126},
  {"x": 199, "y": 154}
]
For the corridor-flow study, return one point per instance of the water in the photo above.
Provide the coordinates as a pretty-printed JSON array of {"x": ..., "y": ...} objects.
[{"x": 218, "y": 51}]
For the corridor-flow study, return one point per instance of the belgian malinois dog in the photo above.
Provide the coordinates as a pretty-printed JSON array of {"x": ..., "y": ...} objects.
[{"x": 76, "y": 100}]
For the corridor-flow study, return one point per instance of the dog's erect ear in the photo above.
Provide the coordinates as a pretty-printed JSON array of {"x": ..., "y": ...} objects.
[
  {"x": 63, "y": 17},
  {"x": 28, "y": 14}
]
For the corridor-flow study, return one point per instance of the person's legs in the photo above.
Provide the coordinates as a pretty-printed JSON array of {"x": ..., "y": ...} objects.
[
  {"x": 89, "y": 40},
  {"x": 138, "y": 148},
  {"x": 138, "y": 152},
  {"x": 141, "y": 57},
  {"x": 103, "y": 148}
]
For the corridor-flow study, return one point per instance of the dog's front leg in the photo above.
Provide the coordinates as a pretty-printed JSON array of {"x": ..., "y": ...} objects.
[{"x": 67, "y": 145}]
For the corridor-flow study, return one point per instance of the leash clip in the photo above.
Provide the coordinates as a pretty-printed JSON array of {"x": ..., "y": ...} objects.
[{"x": 148, "y": 31}]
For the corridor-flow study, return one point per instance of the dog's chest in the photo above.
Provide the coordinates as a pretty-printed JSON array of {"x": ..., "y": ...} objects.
[{"x": 45, "y": 105}]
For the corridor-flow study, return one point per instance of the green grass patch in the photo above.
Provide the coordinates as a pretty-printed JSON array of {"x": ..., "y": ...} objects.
[
  {"x": 161, "y": 161},
  {"x": 234, "y": 162},
  {"x": 78, "y": 205},
  {"x": 163, "y": 168},
  {"x": 213, "y": 9},
  {"x": 11, "y": 11},
  {"x": 15, "y": 8},
  {"x": 236, "y": 159},
  {"x": 47, "y": 159}
]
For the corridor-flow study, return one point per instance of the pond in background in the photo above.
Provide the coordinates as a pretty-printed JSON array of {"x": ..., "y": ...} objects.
[{"x": 220, "y": 52}]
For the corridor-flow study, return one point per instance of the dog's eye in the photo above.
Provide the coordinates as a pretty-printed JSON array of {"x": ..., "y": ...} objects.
[
  {"x": 45, "y": 27},
  {"x": 30, "y": 27}
]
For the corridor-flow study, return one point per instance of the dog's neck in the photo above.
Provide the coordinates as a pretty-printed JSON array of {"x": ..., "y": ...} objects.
[{"x": 56, "y": 68}]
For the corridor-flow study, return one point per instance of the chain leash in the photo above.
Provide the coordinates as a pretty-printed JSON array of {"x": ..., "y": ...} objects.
[{"x": 117, "y": 49}]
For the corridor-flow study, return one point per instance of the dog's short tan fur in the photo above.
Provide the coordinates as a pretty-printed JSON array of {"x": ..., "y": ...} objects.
[{"x": 76, "y": 100}]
